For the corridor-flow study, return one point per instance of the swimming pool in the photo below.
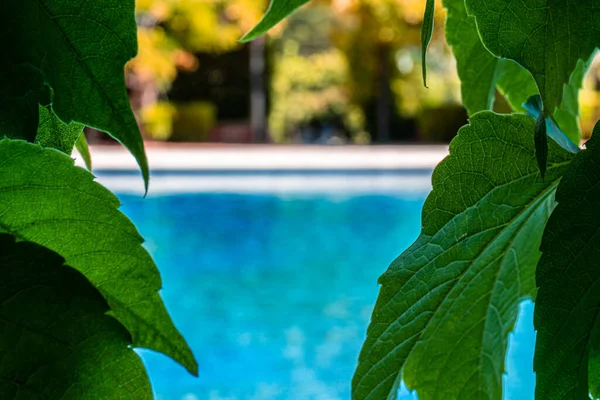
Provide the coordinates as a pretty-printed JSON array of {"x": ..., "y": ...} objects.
[{"x": 274, "y": 291}]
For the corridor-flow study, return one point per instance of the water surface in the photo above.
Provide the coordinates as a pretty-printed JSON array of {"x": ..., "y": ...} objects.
[{"x": 274, "y": 293}]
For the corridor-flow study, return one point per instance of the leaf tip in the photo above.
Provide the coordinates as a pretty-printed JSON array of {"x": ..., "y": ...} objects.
[
  {"x": 248, "y": 37},
  {"x": 194, "y": 369},
  {"x": 426, "y": 35},
  {"x": 146, "y": 176}
]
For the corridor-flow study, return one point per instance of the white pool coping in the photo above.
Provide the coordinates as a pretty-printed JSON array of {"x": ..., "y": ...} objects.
[{"x": 401, "y": 170}]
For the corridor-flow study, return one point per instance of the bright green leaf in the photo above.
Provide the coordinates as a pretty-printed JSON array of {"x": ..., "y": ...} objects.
[
  {"x": 594, "y": 363},
  {"x": 56, "y": 340},
  {"x": 84, "y": 151},
  {"x": 82, "y": 49},
  {"x": 515, "y": 83},
  {"x": 568, "y": 304},
  {"x": 277, "y": 11},
  {"x": 52, "y": 132},
  {"x": 426, "y": 34},
  {"x": 448, "y": 303},
  {"x": 476, "y": 66},
  {"x": 547, "y": 37},
  {"x": 567, "y": 115},
  {"x": 45, "y": 199}
]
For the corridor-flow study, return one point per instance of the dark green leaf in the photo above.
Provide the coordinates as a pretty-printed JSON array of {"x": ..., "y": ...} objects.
[
  {"x": 547, "y": 37},
  {"x": 46, "y": 95},
  {"x": 518, "y": 91},
  {"x": 426, "y": 34},
  {"x": 277, "y": 11},
  {"x": 52, "y": 132},
  {"x": 82, "y": 49},
  {"x": 56, "y": 340},
  {"x": 568, "y": 303},
  {"x": 566, "y": 117},
  {"x": 84, "y": 151},
  {"x": 541, "y": 143},
  {"x": 448, "y": 303},
  {"x": 45, "y": 199},
  {"x": 534, "y": 109},
  {"x": 481, "y": 73},
  {"x": 20, "y": 88}
]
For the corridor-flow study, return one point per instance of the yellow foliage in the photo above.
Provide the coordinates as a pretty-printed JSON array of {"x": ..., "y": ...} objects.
[
  {"x": 157, "y": 120},
  {"x": 156, "y": 57},
  {"x": 189, "y": 122},
  {"x": 444, "y": 85},
  {"x": 192, "y": 26},
  {"x": 589, "y": 106},
  {"x": 205, "y": 25}
]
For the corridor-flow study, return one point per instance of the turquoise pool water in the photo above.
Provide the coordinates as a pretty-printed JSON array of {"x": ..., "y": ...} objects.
[{"x": 274, "y": 293}]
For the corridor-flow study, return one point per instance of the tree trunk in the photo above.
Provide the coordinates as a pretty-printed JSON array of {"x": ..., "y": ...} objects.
[{"x": 384, "y": 94}]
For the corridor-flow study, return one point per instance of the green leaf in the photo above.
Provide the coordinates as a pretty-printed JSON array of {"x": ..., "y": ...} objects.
[
  {"x": 541, "y": 143},
  {"x": 45, "y": 199},
  {"x": 84, "y": 151},
  {"x": 476, "y": 66},
  {"x": 515, "y": 83},
  {"x": 478, "y": 69},
  {"x": 277, "y": 11},
  {"x": 481, "y": 73},
  {"x": 82, "y": 52},
  {"x": 533, "y": 107},
  {"x": 20, "y": 87},
  {"x": 566, "y": 118},
  {"x": 52, "y": 132},
  {"x": 46, "y": 96},
  {"x": 594, "y": 363},
  {"x": 568, "y": 304},
  {"x": 56, "y": 340},
  {"x": 426, "y": 34},
  {"x": 448, "y": 303},
  {"x": 567, "y": 115},
  {"x": 547, "y": 37}
]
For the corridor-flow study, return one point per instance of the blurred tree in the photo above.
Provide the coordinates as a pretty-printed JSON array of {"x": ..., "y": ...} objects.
[
  {"x": 310, "y": 100},
  {"x": 171, "y": 33},
  {"x": 362, "y": 52},
  {"x": 381, "y": 39}
]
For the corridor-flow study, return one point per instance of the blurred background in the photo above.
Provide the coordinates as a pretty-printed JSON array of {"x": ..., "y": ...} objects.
[
  {"x": 270, "y": 254},
  {"x": 335, "y": 72}
]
